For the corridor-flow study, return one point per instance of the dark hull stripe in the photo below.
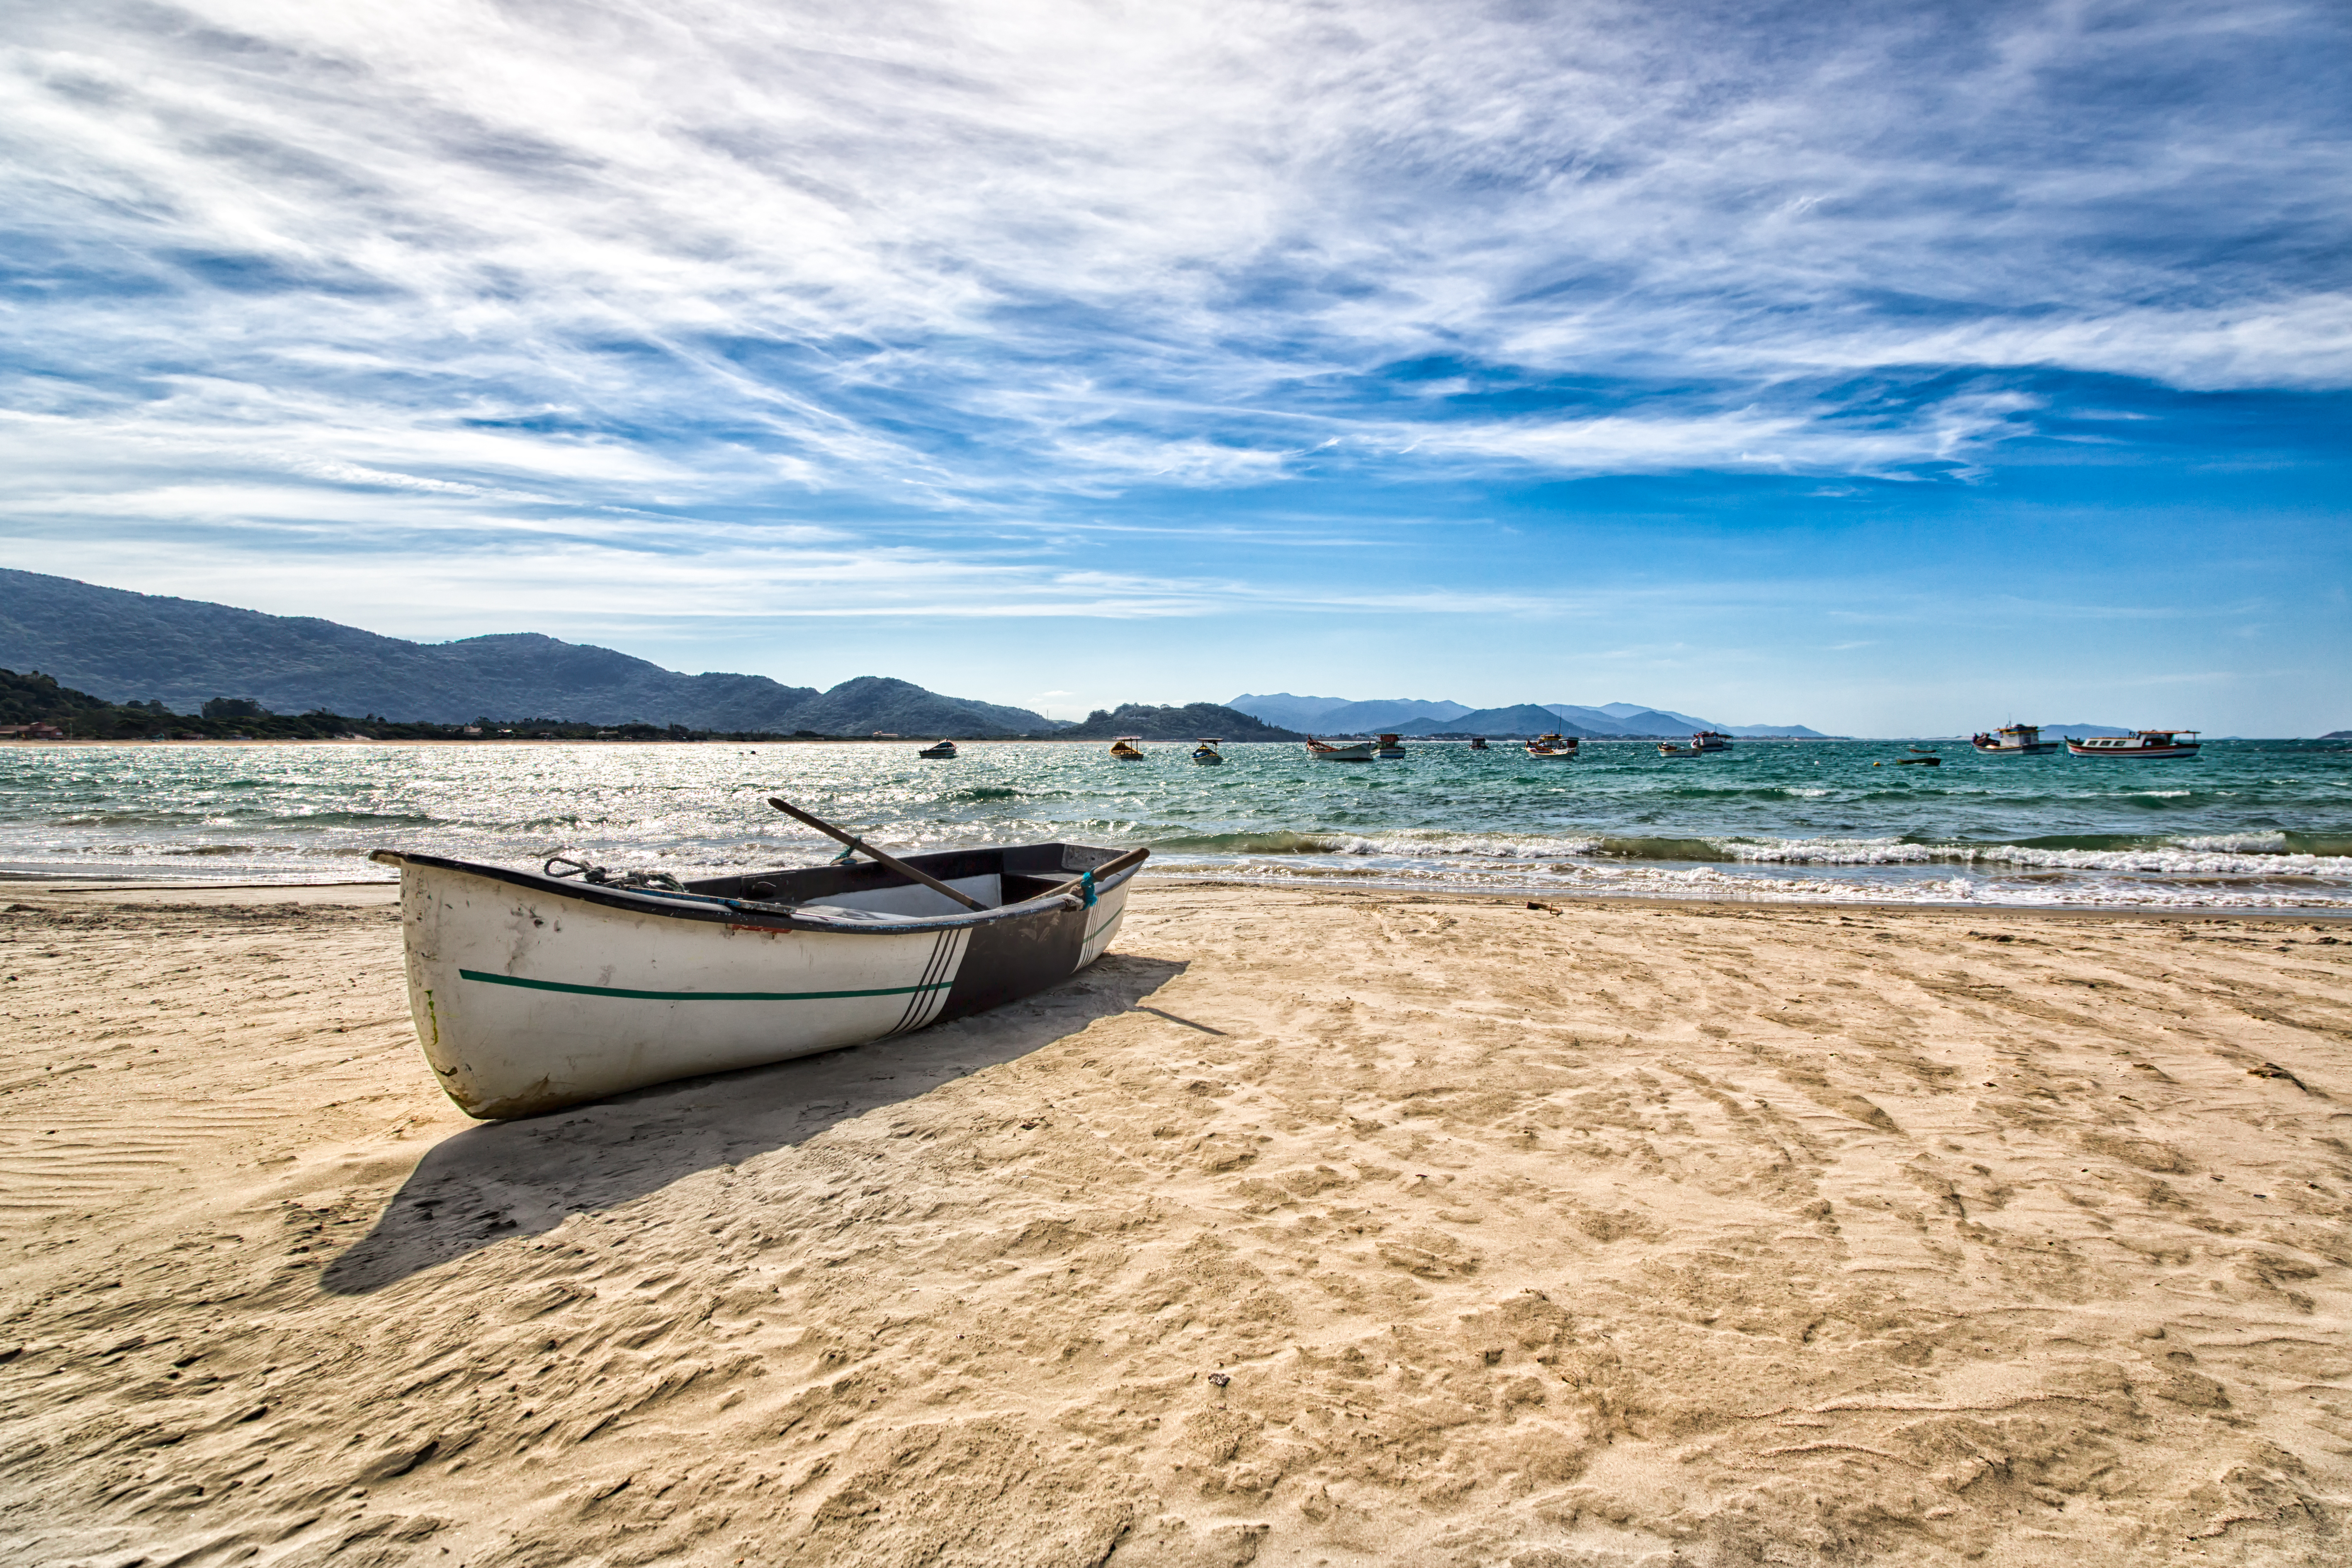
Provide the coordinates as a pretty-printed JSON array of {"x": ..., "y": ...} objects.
[
  {"x": 698, "y": 996},
  {"x": 914, "y": 998},
  {"x": 941, "y": 945}
]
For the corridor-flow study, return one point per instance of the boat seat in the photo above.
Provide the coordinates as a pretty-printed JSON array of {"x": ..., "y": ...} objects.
[{"x": 842, "y": 914}]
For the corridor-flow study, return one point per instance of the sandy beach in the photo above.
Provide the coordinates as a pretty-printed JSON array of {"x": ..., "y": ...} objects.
[{"x": 1310, "y": 1226}]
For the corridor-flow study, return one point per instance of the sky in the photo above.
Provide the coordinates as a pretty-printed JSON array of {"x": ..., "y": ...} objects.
[{"x": 1889, "y": 368}]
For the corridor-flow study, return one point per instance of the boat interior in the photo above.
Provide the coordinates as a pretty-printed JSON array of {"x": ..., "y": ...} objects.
[{"x": 996, "y": 877}]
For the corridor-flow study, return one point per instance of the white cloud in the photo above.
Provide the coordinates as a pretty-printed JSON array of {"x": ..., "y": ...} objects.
[{"x": 605, "y": 273}]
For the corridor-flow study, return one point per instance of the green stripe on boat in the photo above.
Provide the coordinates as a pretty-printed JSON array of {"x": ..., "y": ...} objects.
[{"x": 696, "y": 995}]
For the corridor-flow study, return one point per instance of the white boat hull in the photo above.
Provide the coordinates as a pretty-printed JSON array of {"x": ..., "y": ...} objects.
[
  {"x": 530, "y": 993},
  {"x": 2133, "y": 754},
  {"x": 1362, "y": 753}
]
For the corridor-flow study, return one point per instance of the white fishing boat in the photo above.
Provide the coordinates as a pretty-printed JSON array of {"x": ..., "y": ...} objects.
[
  {"x": 2140, "y": 746},
  {"x": 1206, "y": 754},
  {"x": 1322, "y": 751},
  {"x": 1127, "y": 749},
  {"x": 1553, "y": 749},
  {"x": 1711, "y": 740},
  {"x": 944, "y": 751},
  {"x": 1389, "y": 749},
  {"x": 1674, "y": 753},
  {"x": 2014, "y": 740},
  {"x": 532, "y": 990}
]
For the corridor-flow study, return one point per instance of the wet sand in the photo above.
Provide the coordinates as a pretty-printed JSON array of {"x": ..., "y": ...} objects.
[{"x": 1312, "y": 1227}]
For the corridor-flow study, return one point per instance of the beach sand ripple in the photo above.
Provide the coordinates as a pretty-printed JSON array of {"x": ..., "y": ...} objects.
[{"x": 1319, "y": 1227}]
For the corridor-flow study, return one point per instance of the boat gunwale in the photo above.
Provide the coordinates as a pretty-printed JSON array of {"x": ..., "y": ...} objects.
[{"x": 720, "y": 911}]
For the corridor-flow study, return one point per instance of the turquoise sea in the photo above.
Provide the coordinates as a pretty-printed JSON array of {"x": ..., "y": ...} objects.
[{"x": 2249, "y": 824}]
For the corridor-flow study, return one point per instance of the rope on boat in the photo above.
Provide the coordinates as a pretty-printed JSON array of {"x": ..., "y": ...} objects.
[{"x": 639, "y": 881}]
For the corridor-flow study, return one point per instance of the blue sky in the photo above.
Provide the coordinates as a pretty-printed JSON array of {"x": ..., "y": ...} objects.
[{"x": 1885, "y": 368}]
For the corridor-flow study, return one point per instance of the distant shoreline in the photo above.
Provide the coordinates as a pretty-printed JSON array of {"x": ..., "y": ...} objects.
[{"x": 30, "y": 741}]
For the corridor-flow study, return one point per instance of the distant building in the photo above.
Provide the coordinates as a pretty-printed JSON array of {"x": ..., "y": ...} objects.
[{"x": 34, "y": 731}]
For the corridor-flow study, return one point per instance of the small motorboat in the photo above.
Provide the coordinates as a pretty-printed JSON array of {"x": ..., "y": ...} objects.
[
  {"x": 1323, "y": 751},
  {"x": 1928, "y": 760},
  {"x": 1478, "y": 743},
  {"x": 1552, "y": 748},
  {"x": 1668, "y": 750},
  {"x": 535, "y": 990},
  {"x": 1389, "y": 750},
  {"x": 1125, "y": 749},
  {"x": 1711, "y": 740},
  {"x": 1206, "y": 754},
  {"x": 2014, "y": 740},
  {"x": 2140, "y": 746},
  {"x": 944, "y": 751}
]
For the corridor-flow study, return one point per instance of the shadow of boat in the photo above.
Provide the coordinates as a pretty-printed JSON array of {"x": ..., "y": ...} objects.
[{"x": 506, "y": 1179}]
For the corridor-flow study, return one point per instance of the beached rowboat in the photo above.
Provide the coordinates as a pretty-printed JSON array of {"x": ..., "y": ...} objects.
[{"x": 532, "y": 991}]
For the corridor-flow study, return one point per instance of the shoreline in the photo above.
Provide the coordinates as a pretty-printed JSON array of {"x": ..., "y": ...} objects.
[{"x": 1367, "y": 888}]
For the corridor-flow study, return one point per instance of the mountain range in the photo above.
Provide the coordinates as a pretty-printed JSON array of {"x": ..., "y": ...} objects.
[
  {"x": 138, "y": 647},
  {"x": 129, "y": 647},
  {"x": 1416, "y": 716}
]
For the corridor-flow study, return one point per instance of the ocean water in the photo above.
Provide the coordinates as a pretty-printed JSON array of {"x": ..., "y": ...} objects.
[{"x": 2249, "y": 824}]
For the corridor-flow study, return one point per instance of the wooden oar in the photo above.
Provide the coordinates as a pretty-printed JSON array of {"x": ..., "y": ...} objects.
[
  {"x": 861, "y": 846},
  {"x": 1108, "y": 868}
]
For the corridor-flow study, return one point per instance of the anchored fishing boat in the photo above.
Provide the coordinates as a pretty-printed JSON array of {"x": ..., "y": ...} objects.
[
  {"x": 1669, "y": 750},
  {"x": 1322, "y": 751},
  {"x": 944, "y": 751},
  {"x": 1478, "y": 743},
  {"x": 2014, "y": 740},
  {"x": 2141, "y": 746},
  {"x": 1389, "y": 750},
  {"x": 1552, "y": 748},
  {"x": 532, "y": 990},
  {"x": 1206, "y": 754},
  {"x": 1125, "y": 749},
  {"x": 1711, "y": 740}
]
